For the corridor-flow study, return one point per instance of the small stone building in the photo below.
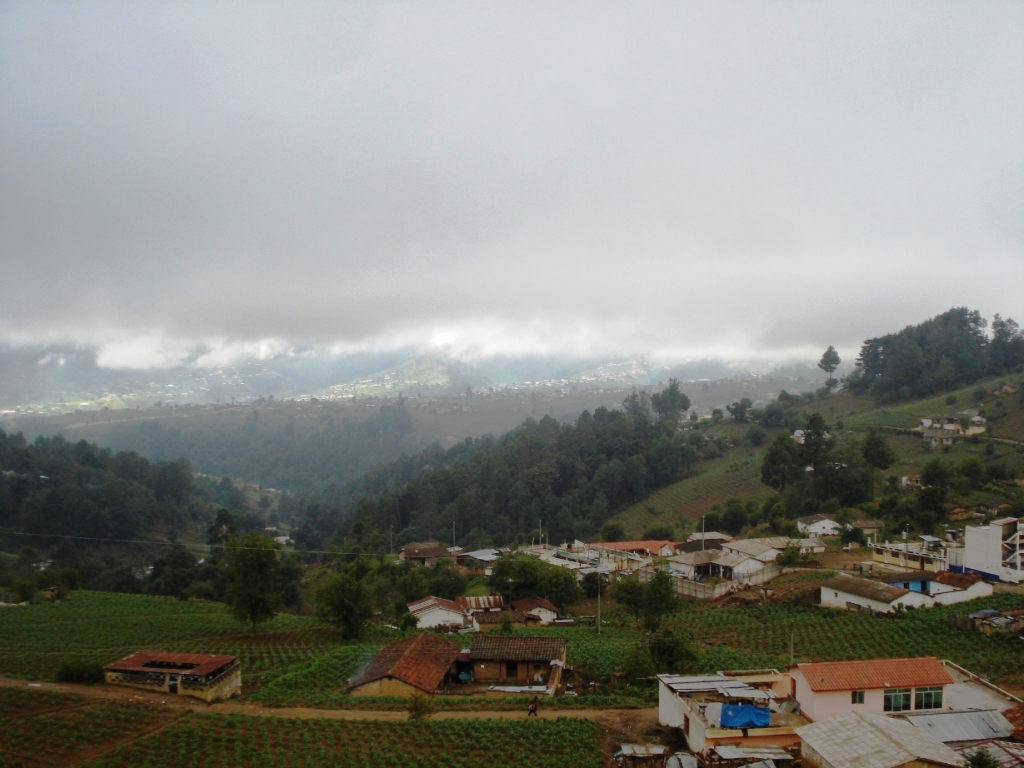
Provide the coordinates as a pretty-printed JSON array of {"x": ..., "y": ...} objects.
[
  {"x": 184, "y": 674},
  {"x": 518, "y": 660},
  {"x": 421, "y": 663}
]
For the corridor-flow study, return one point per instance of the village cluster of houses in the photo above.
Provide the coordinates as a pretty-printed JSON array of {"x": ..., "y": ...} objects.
[
  {"x": 880, "y": 713},
  {"x": 483, "y": 613}
]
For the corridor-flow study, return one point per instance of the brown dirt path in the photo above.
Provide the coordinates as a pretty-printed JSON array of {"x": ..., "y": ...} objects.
[{"x": 620, "y": 719}]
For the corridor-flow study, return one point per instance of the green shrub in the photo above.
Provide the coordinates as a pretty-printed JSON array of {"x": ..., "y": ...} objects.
[{"x": 79, "y": 672}]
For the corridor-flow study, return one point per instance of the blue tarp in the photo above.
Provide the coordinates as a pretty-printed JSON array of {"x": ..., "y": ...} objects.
[{"x": 745, "y": 716}]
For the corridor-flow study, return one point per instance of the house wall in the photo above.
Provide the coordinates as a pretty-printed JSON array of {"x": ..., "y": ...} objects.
[
  {"x": 497, "y": 672},
  {"x": 671, "y": 709},
  {"x": 745, "y": 569},
  {"x": 836, "y": 598},
  {"x": 387, "y": 686},
  {"x": 983, "y": 548},
  {"x": 824, "y": 704},
  {"x": 436, "y": 617},
  {"x": 224, "y": 687},
  {"x": 980, "y": 589},
  {"x": 546, "y": 616}
]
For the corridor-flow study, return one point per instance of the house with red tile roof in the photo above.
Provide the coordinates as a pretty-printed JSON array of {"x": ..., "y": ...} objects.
[
  {"x": 874, "y": 686},
  {"x": 419, "y": 663},
  {"x": 184, "y": 674},
  {"x": 650, "y": 548},
  {"x": 503, "y": 661}
]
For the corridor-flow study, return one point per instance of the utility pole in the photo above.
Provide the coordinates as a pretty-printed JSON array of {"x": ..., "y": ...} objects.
[
  {"x": 600, "y": 583},
  {"x": 792, "y": 632},
  {"x": 540, "y": 532},
  {"x": 702, "y": 533},
  {"x": 511, "y": 581},
  {"x": 453, "y": 534},
  {"x": 391, "y": 539}
]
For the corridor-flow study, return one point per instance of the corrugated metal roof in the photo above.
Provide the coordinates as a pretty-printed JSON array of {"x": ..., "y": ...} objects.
[
  {"x": 178, "y": 663},
  {"x": 976, "y": 725},
  {"x": 641, "y": 750},
  {"x": 859, "y": 740},
  {"x": 1006, "y": 753},
  {"x": 717, "y": 684},
  {"x": 480, "y": 602},
  {"x": 752, "y": 753},
  {"x": 430, "y": 603},
  {"x": 872, "y": 590}
]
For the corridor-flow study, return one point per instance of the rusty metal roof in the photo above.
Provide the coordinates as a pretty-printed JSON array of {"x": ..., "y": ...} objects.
[
  {"x": 872, "y": 590},
  {"x": 181, "y": 663}
]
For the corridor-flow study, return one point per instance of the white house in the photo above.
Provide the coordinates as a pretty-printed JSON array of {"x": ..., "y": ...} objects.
[
  {"x": 438, "y": 612},
  {"x": 943, "y": 588},
  {"x": 758, "y": 549},
  {"x": 874, "y": 686},
  {"x": 537, "y": 606},
  {"x": 818, "y": 525},
  {"x": 850, "y": 592}
]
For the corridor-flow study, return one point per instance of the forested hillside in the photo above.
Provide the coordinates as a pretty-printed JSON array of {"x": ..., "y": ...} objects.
[
  {"x": 570, "y": 476},
  {"x": 946, "y": 352}
]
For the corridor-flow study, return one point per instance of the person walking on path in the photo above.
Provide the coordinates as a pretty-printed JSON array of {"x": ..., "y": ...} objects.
[{"x": 533, "y": 707}]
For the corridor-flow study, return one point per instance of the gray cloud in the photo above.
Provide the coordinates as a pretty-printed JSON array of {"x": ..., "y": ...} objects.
[{"x": 738, "y": 180}]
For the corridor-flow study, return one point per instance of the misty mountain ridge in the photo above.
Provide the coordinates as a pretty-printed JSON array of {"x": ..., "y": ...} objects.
[{"x": 62, "y": 378}]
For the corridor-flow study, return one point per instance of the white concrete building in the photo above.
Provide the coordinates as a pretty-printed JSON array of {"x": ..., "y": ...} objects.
[
  {"x": 996, "y": 550},
  {"x": 438, "y": 612},
  {"x": 818, "y": 525},
  {"x": 874, "y": 686},
  {"x": 852, "y": 593}
]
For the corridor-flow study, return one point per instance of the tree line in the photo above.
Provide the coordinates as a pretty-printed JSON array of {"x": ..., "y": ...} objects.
[{"x": 948, "y": 351}]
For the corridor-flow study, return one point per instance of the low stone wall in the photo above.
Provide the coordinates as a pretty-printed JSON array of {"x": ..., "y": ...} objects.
[{"x": 712, "y": 590}]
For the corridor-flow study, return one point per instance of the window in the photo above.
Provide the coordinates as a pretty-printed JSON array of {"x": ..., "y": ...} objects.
[
  {"x": 897, "y": 700},
  {"x": 856, "y": 697},
  {"x": 928, "y": 698}
]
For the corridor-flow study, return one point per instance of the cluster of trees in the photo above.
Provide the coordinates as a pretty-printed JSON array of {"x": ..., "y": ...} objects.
[
  {"x": 949, "y": 351},
  {"x": 77, "y": 489},
  {"x": 277, "y": 456},
  {"x": 572, "y": 477},
  {"x": 365, "y": 587},
  {"x": 821, "y": 468}
]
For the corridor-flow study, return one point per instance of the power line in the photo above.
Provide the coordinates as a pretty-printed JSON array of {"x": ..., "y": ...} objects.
[{"x": 198, "y": 547}]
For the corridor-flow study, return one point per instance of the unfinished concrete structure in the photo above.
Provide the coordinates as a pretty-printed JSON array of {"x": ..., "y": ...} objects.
[{"x": 183, "y": 674}]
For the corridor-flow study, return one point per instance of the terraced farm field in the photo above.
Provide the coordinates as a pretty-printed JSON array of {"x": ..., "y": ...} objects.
[
  {"x": 52, "y": 729},
  {"x": 736, "y": 475},
  {"x": 756, "y": 635},
  {"x": 101, "y": 627}
]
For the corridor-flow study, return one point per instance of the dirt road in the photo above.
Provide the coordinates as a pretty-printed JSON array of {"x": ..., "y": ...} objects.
[{"x": 618, "y": 719}]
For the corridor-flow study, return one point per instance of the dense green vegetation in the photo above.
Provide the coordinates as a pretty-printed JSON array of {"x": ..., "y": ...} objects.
[
  {"x": 212, "y": 741},
  {"x": 570, "y": 476},
  {"x": 946, "y": 352}
]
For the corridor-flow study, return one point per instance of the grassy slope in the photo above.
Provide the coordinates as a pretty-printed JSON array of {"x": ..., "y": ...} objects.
[{"x": 737, "y": 475}]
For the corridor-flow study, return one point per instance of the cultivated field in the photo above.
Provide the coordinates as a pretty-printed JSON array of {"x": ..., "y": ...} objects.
[{"x": 55, "y": 729}]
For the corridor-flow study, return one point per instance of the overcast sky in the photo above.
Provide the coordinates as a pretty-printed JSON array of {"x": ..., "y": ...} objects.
[{"x": 739, "y": 180}]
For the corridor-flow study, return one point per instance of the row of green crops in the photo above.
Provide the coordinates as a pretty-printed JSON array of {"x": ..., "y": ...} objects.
[
  {"x": 58, "y": 738},
  {"x": 215, "y": 741},
  {"x": 752, "y": 636}
]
